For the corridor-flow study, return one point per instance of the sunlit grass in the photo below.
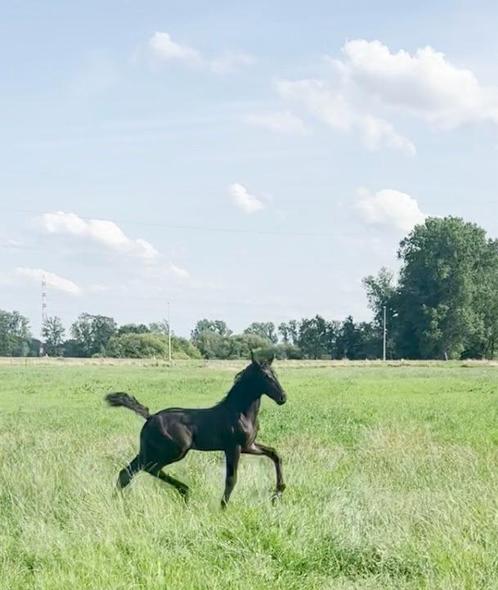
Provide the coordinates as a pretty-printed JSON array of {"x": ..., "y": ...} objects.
[{"x": 392, "y": 480}]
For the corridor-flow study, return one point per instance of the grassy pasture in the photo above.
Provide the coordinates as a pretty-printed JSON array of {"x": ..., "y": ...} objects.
[{"x": 392, "y": 477}]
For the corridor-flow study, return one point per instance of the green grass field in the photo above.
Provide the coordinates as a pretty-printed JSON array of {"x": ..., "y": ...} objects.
[{"x": 392, "y": 477}]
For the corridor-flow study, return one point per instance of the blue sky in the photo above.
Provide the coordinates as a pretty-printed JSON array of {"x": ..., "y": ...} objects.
[{"x": 245, "y": 161}]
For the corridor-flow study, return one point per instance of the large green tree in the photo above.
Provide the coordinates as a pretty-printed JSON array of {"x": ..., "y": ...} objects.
[
  {"x": 317, "y": 337},
  {"x": 91, "y": 333},
  {"x": 289, "y": 331},
  {"x": 212, "y": 338},
  {"x": 14, "y": 334},
  {"x": 215, "y": 326},
  {"x": 53, "y": 335},
  {"x": 447, "y": 290},
  {"x": 265, "y": 330},
  {"x": 381, "y": 294},
  {"x": 161, "y": 327},
  {"x": 350, "y": 340}
]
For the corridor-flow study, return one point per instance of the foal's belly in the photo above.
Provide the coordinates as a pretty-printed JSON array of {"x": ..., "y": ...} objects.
[
  {"x": 208, "y": 444},
  {"x": 222, "y": 440}
]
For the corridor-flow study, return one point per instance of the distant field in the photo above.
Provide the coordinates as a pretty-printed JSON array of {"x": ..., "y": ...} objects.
[{"x": 392, "y": 476}]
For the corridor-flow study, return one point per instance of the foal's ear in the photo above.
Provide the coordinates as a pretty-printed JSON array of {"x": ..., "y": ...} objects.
[
  {"x": 253, "y": 360},
  {"x": 271, "y": 359}
]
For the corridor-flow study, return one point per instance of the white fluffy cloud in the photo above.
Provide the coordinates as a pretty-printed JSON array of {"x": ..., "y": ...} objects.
[
  {"x": 331, "y": 106},
  {"x": 163, "y": 49},
  {"x": 370, "y": 84},
  {"x": 283, "y": 122},
  {"x": 389, "y": 208},
  {"x": 377, "y": 133},
  {"x": 54, "y": 281},
  {"x": 100, "y": 231},
  {"x": 244, "y": 200},
  {"x": 425, "y": 83}
]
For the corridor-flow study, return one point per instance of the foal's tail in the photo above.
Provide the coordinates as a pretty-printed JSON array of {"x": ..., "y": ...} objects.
[{"x": 128, "y": 401}]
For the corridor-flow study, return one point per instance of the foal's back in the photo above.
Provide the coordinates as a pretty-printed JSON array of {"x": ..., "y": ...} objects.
[{"x": 202, "y": 429}]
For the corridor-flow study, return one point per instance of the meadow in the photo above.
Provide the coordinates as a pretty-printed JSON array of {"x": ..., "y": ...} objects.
[{"x": 392, "y": 481}]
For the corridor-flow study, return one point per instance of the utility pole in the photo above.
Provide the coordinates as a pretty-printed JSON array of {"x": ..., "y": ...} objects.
[
  {"x": 43, "y": 310},
  {"x": 169, "y": 332},
  {"x": 44, "y": 299},
  {"x": 384, "y": 344}
]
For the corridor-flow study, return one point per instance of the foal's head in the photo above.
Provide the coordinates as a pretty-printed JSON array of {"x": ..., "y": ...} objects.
[{"x": 264, "y": 380}]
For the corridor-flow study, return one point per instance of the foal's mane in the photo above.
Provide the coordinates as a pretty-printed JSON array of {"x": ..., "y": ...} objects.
[
  {"x": 239, "y": 377},
  {"x": 241, "y": 374}
]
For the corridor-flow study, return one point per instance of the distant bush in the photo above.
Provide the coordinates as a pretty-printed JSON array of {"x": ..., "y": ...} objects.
[
  {"x": 184, "y": 349},
  {"x": 137, "y": 346},
  {"x": 286, "y": 350},
  {"x": 149, "y": 345}
]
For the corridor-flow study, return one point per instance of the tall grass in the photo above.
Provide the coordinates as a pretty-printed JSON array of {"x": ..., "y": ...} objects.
[{"x": 392, "y": 483}]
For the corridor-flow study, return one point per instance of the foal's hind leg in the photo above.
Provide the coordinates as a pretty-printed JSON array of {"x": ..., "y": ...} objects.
[
  {"x": 126, "y": 474},
  {"x": 156, "y": 459},
  {"x": 271, "y": 453},
  {"x": 179, "y": 486}
]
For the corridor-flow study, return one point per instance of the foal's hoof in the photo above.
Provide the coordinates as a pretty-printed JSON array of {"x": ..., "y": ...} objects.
[
  {"x": 277, "y": 496},
  {"x": 184, "y": 492},
  {"x": 185, "y": 496}
]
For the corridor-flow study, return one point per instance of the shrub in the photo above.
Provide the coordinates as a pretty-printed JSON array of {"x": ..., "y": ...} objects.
[{"x": 132, "y": 345}]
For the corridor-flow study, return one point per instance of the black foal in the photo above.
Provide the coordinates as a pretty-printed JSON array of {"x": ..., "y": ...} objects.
[{"x": 230, "y": 426}]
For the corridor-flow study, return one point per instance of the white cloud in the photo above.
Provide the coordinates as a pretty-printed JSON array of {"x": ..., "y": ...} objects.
[
  {"x": 283, "y": 122},
  {"x": 389, "y": 207},
  {"x": 179, "y": 272},
  {"x": 164, "y": 48},
  {"x": 370, "y": 83},
  {"x": 424, "y": 83},
  {"x": 230, "y": 62},
  {"x": 55, "y": 281},
  {"x": 377, "y": 133},
  {"x": 244, "y": 200},
  {"x": 334, "y": 108},
  {"x": 321, "y": 100},
  {"x": 101, "y": 231}
]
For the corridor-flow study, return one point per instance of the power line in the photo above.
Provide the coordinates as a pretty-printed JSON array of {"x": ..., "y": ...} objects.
[{"x": 181, "y": 227}]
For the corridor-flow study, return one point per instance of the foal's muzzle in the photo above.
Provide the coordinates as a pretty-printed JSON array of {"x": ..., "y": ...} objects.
[{"x": 282, "y": 399}]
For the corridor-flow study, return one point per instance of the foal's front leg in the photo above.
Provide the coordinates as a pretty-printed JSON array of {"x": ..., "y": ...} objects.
[
  {"x": 257, "y": 449},
  {"x": 232, "y": 462}
]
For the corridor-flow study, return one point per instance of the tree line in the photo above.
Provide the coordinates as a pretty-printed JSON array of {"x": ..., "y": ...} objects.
[{"x": 443, "y": 305}]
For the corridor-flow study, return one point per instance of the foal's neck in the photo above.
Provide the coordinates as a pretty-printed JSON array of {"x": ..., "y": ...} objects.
[{"x": 242, "y": 399}]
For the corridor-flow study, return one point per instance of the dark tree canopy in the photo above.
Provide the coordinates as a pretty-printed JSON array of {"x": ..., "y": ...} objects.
[
  {"x": 53, "y": 335},
  {"x": 91, "y": 333},
  {"x": 216, "y": 326},
  {"x": 447, "y": 285},
  {"x": 15, "y": 338},
  {"x": 265, "y": 330},
  {"x": 289, "y": 331},
  {"x": 133, "y": 329}
]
